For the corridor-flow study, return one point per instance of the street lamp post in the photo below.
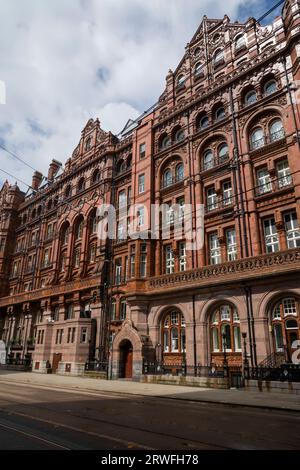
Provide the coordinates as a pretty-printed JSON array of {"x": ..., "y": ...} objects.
[{"x": 224, "y": 351}]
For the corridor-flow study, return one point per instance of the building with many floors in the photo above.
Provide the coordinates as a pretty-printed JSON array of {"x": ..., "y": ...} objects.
[{"x": 224, "y": 134}]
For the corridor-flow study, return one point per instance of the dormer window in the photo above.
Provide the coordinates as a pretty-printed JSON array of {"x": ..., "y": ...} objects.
[
  {"x": 198, "y": 70},
  {"x": 181, "y": 81}
]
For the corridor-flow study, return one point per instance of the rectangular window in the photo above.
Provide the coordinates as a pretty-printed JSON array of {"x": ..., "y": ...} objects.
[
  {"x": 283, "y": 174},
  {"x": 113, "y": 309},
  {"x": 169, "y": 213},
  {"x": 214, "y": 249},
  {"x": 126, "y": 268},
  {"x": 92, "y": 254},
  {"x": 69, "y": 312},
  {"x": 120, "y": 231},
  {"x": 231, "y": 244},
  {"x": 123, "y": 309},
  {"x": 141, "y": 183},
  {"x": 46, "y": 257},
  {"x": 143, "y": 260},
  {"x": 211, "y": 199},
  {"x": 271, "y": 236},
  {"x": 263, "y": 181},
  {"x": 83, "y": 335},
  {"x": 73, "y": 335},
  {"x": 118, "y": 271},
  {"x": 140, "y": 217},
  {"x": 169, "y": 259},
  {"x": 122, "y": 199},
  {"x": 132, "y": 261},
  {"x": 69, "y": 335},
  {"x": 180, "y": 202},
  {"x": 142, "y": 150},
  {"x": 227, "y": 193},
  {"x": 182, "y": 256},
  {"x": 292, "y": 230}
]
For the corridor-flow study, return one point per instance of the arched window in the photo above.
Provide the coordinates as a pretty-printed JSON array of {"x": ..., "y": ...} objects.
[
  {"x": 165, "y": 142},
  {"x": 88, "y": 143},
  {"x": 223, "y": 153},
  {"x": 225, "y": 330},
  {"x": 173, "y": 333},
  {"x": 179, "y": 135},
  {"x": 65, "y": 235},
  {"x": 179, "y": 172},
  {"x": 257, "y": 138},
  {"x": 208, "y": 160},
  {"x": 96, "y": 176},
  {"x": 220, "y": 113},
  {"x": 167, "y": 178},
  {"x": 68, "y": 191},
  {"x": 79, "y": 229},
  {"x": 49, "y": 205},
  {"x": 198, "y": 70},
  {"x": 81, "y": 185},
  {"x": 250, "y": 97},
  {"x": 203, "y": 122},
  {"x": 270, "y": 87},
  {"x": 181, "y": 80},
  {"x": 218, "y": 57},
  {"x": 276, "y": 130},
  {"x": 239, "y": 42},
  {"x": 286, "y": 325},
  {"x": 93, "y": 224}
]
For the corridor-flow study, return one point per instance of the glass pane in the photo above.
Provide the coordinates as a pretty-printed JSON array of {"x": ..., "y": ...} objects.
[{"x": 278, "y": 337}]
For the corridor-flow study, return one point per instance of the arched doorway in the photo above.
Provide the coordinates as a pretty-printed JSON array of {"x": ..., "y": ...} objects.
[
  {"x": 286, "y": 326},
  {"x": 125, "y": 365}
]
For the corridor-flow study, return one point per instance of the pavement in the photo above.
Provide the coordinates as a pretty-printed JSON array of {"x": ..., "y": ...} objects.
[{"x": 232, "y": 397}]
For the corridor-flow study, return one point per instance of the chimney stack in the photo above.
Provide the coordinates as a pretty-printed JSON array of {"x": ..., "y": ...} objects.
[
  {"x": 53, "y": 169},
  {"x": 36, "y": 180}
]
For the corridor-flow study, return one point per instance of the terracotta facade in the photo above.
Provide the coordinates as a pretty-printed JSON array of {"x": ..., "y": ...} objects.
[{"x": 225, "y": 134}]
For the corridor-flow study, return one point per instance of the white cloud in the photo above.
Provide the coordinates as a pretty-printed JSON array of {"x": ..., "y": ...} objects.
[{"x": 65, "y": 61}]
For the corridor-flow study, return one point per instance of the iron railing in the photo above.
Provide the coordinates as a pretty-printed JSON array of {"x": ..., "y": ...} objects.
[
  {"x": 183, "y": 369},
  {"x": 284, "y": 373},
  {"x": 96, "y": 366}
]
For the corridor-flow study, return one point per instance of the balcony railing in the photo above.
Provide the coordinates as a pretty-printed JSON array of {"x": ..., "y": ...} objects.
[
  {"x": 219, "y": 203},
  {"x": 171, "y": 182},
  {"x": 267, "y": 139},
  {"x": 277, "y": 185},
  {"x": 215, "y": 162}
]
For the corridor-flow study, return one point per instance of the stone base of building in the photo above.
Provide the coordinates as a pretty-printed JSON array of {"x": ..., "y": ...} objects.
[
  {"x": 71, "y": 368},
  {"x": 116, "y": 370},
  {"x": 41, "y": 367},
  {"x": 202, "y": 382},
  {"x": 272, "y": 386}
]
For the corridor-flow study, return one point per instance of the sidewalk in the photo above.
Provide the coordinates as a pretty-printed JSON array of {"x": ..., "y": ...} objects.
[{"x": 272, "y": 401}]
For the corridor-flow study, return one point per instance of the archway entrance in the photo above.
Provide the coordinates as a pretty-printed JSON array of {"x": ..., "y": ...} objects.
[{"x": 125, "y": 369}]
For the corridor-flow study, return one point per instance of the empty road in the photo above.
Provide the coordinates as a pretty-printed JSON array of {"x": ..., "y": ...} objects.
[{"x": 34, "y": 417}]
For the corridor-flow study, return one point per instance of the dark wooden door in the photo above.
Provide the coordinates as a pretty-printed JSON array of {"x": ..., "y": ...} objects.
[
  {"x": 55, "y": 362},
  {"x": 128, "y": 364}
]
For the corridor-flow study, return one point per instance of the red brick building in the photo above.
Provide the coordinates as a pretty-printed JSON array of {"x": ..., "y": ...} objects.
[{"x": 224, "y": 133}]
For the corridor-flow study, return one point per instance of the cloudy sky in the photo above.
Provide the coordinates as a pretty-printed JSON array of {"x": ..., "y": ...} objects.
[{"x": 64, "y": 61}]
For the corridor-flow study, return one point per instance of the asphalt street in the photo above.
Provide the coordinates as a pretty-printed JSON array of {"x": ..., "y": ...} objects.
[{"x": 35, "y": 418}]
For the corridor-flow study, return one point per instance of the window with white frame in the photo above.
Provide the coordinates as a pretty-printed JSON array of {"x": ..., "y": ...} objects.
[
  {"x": 169, "y": 259},
  {"x": 227, "y": 193},
  {"x": 141, "y": 183},
  {"x": 292, "y": 230},
  {"x": 182, "y": 256},
  {"x": 143, "y": 260},
  {"x": 231, "y": 244},
  {"x": 140, "y": 217},
  {"x": 257, "y": 138},
  {"x": 118, "y": 271},
  {"x": 271, "y": 235},
  {"x": 83, "y": 335},
  {"x": 263, "y": 181},
  {"x": 283, "y": 174},
  {"x": 211, "y": 197},
  {"x": 214, "y": 249}
]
